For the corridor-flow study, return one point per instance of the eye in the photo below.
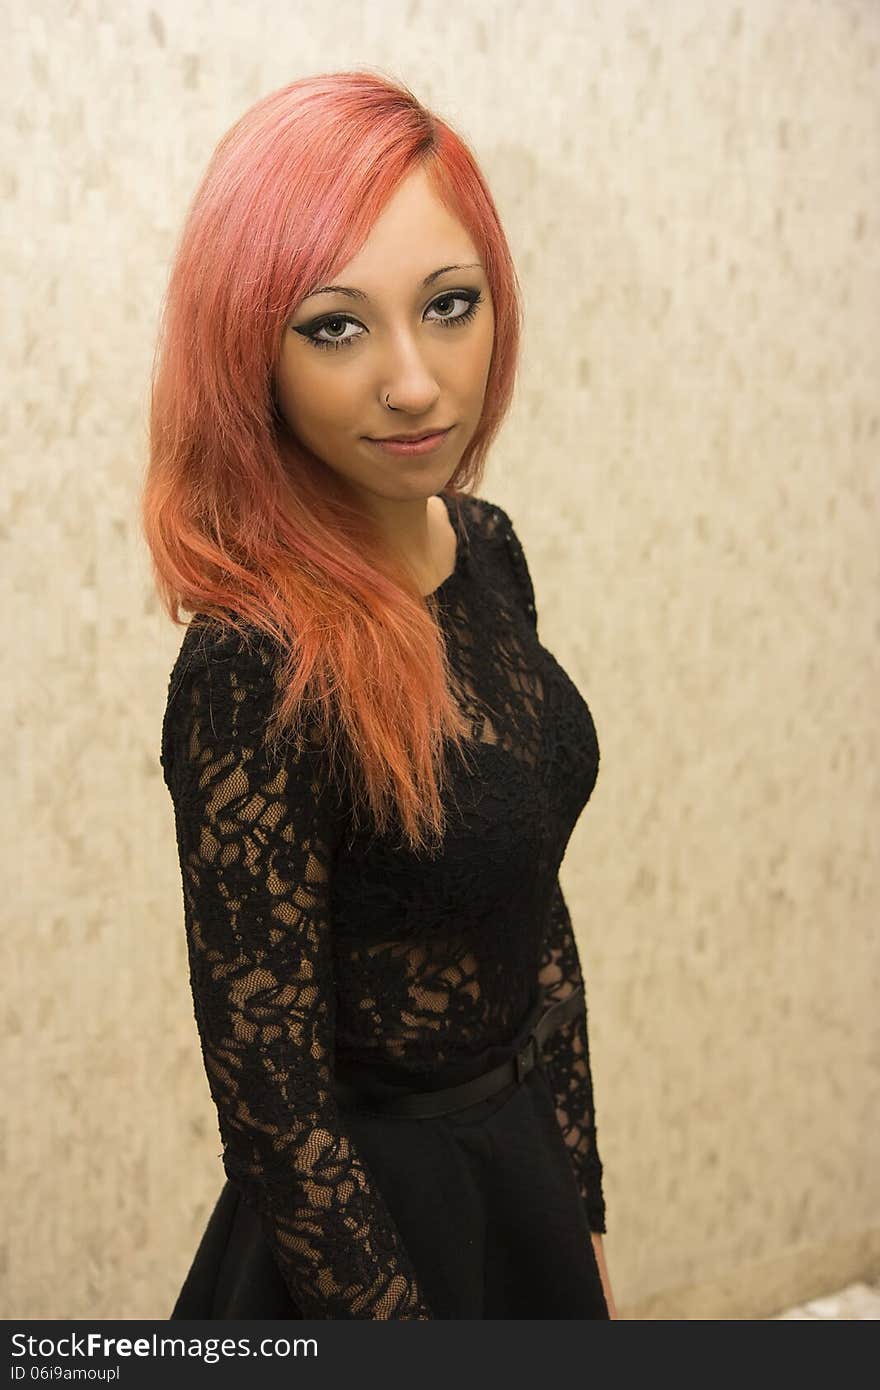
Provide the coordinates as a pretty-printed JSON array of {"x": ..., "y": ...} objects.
[
  {"x": 332, "y": 323},
  {"x": 471, "y": 298}
]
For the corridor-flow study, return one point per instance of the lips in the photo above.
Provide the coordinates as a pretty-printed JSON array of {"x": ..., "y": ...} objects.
[{"x": 408, "y": 438}]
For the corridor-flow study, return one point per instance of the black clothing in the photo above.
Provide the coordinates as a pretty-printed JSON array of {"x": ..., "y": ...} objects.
[
  {"x": 318, "y": 949},
  {"x": 447, "y": 1100}
]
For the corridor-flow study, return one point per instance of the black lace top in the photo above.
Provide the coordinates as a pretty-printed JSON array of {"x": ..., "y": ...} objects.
[{"x": 308, "y": 942}]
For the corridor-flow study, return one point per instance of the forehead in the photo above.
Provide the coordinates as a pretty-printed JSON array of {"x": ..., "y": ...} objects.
[{"x": 413, "y": 235}]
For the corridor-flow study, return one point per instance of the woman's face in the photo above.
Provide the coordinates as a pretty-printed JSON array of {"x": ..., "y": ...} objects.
[{"x": 426, "y": 347}]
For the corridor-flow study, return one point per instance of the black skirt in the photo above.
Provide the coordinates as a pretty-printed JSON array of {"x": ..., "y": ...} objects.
[{"x": 485, "y": 1200}]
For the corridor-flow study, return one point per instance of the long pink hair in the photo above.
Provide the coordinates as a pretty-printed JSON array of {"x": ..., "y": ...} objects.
[{"x": 243, "y": 524}]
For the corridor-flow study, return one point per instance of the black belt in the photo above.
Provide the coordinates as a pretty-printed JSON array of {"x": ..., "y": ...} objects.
[{"x": 425, "y": 1104}]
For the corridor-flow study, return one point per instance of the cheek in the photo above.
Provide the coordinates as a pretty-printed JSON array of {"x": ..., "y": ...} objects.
[
  {"x": 323, "y": 396},
  {"x": 479, "y": 360},
  {"x": 313, "y": 395}
]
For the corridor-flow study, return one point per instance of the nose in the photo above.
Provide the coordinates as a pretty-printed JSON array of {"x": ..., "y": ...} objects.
[{"x": 406, "y": 378}]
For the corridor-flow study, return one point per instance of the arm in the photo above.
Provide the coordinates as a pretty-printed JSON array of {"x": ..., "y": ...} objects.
[
  {"x": 567, "y": 1064},
  {"x": 566, "y": 1051},
  {"x": 255, "y": 839},
  {"x": 567, "y": 1061},
  {"x": 599, "y": 1252}
]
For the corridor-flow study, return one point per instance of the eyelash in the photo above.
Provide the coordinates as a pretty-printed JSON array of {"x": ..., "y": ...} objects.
[{"x": 473, "y": 297}]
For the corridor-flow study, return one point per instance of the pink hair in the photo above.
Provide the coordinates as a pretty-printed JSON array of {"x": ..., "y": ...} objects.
[{"x": 242, "y": 523}]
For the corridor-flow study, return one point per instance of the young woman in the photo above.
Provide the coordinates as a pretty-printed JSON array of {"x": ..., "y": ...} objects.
[{"x": 375, "y": 765}]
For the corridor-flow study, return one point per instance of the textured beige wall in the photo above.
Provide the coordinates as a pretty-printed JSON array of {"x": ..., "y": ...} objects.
[{"x": 691, "y": 192}]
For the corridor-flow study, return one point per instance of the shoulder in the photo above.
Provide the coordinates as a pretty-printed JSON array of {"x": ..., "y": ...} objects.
[
  {"x": 489, "y": 522},
  {"x": 483, "y": 515},
  {"x": 216, "y": 659},
  {"x": 222, "y": 680},
  {"x": 212, "y": 644},
  {"x": 496, "y": 529}
]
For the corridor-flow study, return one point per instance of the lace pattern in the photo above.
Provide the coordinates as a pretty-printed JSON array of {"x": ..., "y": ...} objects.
[{"x": 309, "y": 941}]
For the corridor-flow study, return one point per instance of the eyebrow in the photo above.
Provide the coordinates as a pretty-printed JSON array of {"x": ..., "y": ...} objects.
[{"x": 359, "y": 294}]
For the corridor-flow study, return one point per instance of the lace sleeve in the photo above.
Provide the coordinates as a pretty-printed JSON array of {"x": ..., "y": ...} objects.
[
  {"x": 567, "y": 1061},
  {"x": 255, "y": 839},
  {"x": 566, "y": 1052}
]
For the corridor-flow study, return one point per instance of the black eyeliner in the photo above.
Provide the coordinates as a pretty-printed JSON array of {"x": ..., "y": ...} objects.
[{"x": 305, "y": 330}]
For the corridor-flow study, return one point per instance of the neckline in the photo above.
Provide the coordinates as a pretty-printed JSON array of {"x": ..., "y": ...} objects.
[{"x": 459, "y": 548}]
